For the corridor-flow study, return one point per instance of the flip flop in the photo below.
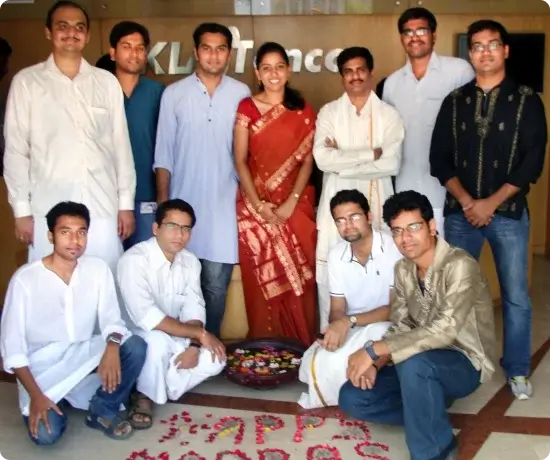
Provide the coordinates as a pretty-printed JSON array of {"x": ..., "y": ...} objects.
[
  {"x": 110, "y": 428},
  {"x": 137, "y": 408}
]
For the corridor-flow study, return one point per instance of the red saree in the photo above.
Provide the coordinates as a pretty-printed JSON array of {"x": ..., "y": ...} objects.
[{"x": 278, "y": 261}]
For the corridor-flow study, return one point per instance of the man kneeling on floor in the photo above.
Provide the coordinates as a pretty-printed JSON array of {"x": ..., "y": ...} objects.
[
  {"x": 360, "y": 273},
  {"x": 160, "y": 283},
  {"x": 47, "y": 335},
  {"x": 442, "y": 341}
]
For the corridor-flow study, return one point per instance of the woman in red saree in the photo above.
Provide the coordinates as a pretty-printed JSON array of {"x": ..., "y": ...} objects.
[{"x": 275, "y": 205}]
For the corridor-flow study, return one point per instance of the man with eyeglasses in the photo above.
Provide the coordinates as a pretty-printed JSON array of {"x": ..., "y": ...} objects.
[
  {"x": 160, "y": 283},
  {"x": 488, "y": 146},
  {"x": 417, "y": 91},
  {"x": 360, "y": 271},
  {"x": 441, "y": 344}
]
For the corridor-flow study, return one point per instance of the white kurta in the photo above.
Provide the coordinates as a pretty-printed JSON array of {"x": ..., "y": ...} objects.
[
  {"x": 352, "y": 166},
  {"x": 48, "y": 326},
  {"x": 153, "y": 288},
  {"x": 67, "y": 139},
  {"x": 365, "y": 287}
]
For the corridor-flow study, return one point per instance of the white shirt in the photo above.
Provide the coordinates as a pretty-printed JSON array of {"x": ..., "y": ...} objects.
[
  {"x": 418, "y": 102},
  {"x": 353, "y": 164},
  {"x": 67, "y": 140},
  {"x": 40, "y": 308},
  {"x": 365, "y": 287},
  {"x": 153, "y": 288}
]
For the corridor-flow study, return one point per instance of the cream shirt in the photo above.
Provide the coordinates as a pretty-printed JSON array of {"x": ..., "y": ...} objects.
[{"x": 67, "y": 140}]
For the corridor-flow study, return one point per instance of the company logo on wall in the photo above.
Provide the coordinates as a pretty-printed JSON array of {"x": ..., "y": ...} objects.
[{"x": 313, "y": 61}]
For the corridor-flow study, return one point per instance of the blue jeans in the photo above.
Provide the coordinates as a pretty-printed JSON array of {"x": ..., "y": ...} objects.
[
  {"x": 415, "y": 393},
  {"x": 144, "y": 227},
  {"x": 509, "y": 241},
  {"x": 215, "y": 279},
  {"x": 103, "y": 404}
]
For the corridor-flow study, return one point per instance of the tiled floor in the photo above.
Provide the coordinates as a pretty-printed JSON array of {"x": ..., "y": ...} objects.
[{"x": 491, "y": 425}]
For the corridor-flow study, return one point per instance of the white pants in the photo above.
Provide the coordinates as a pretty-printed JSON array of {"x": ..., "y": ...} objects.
[
  {"x": 160, "y": 379},
  {"x": 103, "y": 240},
  {"x": 323, "y": 294},
  {"x": 327, "y": 369}
]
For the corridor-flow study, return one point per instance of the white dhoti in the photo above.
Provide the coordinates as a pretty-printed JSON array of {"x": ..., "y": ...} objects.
[
  {"x": 325, "y": 371},
  {"x": 160, "y": 379},
  {"x": 103, "y": 240},
  {"x": 64, "y": 371}
]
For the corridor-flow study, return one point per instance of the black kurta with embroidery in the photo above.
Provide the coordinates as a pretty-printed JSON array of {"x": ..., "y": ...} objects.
[{"x": 490, "y": 139}]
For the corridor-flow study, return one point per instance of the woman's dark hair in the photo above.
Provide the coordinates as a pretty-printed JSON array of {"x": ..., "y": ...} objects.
[
  {"x": 212, "y": 28},
  {"x": 417, "y": 13},
  {"x": 125, "y": 28},
  {"x": 353, "y": 52},
  {"x": 175, "y": 204},
  {"x": 65, "y": 4},
  {"x": 67, "y": 208},
  {"x": 488, "y": 24},
  {"x": 293, "y": 99},
  {"x": 349, "y": 196},
  {"x": 408, "y": 200}
]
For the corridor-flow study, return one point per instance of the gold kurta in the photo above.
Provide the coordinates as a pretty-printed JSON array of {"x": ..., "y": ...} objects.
[{"x": 455, "y": 311}]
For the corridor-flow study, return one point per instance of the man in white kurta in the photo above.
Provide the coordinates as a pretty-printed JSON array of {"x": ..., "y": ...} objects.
[
  {"x": 358, "y": 142},
  {"x": 160, "y": 284},
  {"x": 360, "y": 269},
  {"x": 47, "y": 334},
  {"x": 66, "y": 138}
]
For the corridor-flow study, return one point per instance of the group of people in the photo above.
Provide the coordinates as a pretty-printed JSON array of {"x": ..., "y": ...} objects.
[{"x": 136, "y": 201}]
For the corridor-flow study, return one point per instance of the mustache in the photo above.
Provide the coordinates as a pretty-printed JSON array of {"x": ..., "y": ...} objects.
[{"x": 357, "y": 80}]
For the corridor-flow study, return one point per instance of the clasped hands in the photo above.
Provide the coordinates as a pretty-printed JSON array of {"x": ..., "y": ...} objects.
[
  {"x": 277, "y": 214},
  {"x": 479, "y": 212}
]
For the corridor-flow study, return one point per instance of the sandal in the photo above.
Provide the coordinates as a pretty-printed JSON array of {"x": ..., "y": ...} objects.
[
  {"x": 140, "y": 405},
  {"x": 115, "y": 428}
]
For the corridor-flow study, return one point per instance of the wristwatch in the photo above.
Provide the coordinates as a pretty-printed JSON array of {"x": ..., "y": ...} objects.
[
  {"x": 370, "y": 350},
  {"x": 353, "y": 321},
  {"x": 115, "y": 338},
  {"x": 196, "y": 345}
]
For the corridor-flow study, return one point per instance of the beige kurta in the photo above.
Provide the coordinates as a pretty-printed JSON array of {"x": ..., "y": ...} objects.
[
  {"x": 455, "y": 311},
  {"x": 352, "y": 166}
]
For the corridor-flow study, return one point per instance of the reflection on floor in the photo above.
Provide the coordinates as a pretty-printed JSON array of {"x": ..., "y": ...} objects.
[{"x": 490, "y": 424}]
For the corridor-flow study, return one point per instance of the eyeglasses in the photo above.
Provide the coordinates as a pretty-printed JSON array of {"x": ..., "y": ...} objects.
[
  {"x": 172, "y": 226},
  {"x": 341, "y": 221},
  {"x": 491, "y": 46},
  {"x": 421, "y": 32},
  {"x": 415, "y": 227}
]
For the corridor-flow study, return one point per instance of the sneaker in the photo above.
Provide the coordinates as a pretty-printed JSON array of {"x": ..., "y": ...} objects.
[{"x": 521, "y": 387}]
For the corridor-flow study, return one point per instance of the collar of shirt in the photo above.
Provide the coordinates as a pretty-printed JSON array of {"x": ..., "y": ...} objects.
[
  {"x": 507, "y": 85},
  {"x": 202, "y": 86},
  {"x": 434, "y": 64},
  {"x": 157, "y": 258},
  {"x": 376, "y": 251},
  {"x": 51, "y": 66},
  {"x": 353, "y": 110}
]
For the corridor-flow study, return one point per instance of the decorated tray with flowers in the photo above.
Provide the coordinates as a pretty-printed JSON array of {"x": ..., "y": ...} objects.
[{"x": 263, "y": 363}]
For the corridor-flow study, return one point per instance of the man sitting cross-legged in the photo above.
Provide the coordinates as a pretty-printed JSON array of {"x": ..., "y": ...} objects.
[
  {"x": 47, "y": 335},
  {"x": 360, "y": 270},
  {"x": 160, "y": 283},
  {"x": 442, "y": 340}
]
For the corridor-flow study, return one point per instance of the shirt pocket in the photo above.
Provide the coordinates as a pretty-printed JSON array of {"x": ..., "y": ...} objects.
[
  {"x": 430, "y": 110},
  {"x": 99, "y": 119}
]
